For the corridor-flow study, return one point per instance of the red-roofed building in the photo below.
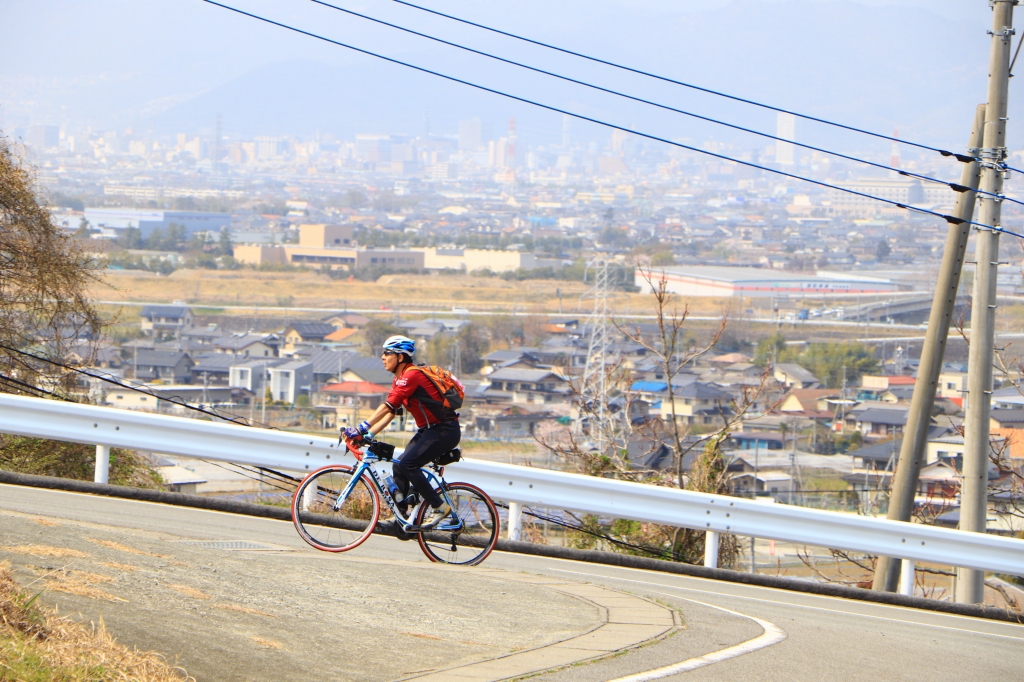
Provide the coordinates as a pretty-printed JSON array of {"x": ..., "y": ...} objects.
[{"x": 353, "y": 400}]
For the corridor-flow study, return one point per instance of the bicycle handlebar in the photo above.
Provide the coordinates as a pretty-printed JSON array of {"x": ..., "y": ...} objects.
[
  {"x": 384, "y": 452},
  {"x": 356, "y": 452}
]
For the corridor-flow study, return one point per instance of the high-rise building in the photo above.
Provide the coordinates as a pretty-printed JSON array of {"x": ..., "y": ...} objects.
[
  {"x": 510, "y": 151},
  {"x": 270, "y": 147},
  {"x": 42, "y": 137},
  {"x": 470, "y": 135},
  {"x": 785, "y": 128}
]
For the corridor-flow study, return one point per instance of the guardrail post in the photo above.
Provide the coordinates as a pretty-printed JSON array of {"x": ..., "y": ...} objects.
[
  {"x": 102, "y": 464},
  {"x": 515, "y": 521},
  {"x": 907, "y": 577},
  {"x": 711, "y": 549}
]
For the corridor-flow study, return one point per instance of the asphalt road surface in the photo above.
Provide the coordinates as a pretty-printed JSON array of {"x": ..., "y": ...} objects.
[{"x": 238, "y": 598}]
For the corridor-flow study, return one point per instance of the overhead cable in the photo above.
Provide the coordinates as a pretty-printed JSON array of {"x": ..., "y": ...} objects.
[
  {"x": 956, "y": 187},
  {"x": 959, "y": 157},
  {"x": 948, "y": 218}
]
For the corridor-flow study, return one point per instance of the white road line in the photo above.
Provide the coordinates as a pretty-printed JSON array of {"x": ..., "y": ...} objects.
[
  {"x": 772, "y": 634},
  {"x": 805, "y": 606},
  {"x": 811, "y": 595}
]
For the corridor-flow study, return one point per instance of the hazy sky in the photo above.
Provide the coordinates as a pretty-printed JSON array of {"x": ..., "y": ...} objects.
[{"x": 165, "y": 65}]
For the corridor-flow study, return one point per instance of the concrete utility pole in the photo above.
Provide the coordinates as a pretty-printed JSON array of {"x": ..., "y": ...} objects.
[
  {"x": 970, "y": 584},
  {"x": 915, "y": 438}
]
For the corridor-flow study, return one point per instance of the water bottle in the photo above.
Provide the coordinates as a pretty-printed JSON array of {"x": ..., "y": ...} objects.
[{"x": 393, "y": 488}]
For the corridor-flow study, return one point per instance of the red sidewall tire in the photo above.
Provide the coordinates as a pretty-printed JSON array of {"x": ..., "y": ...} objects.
[{"x": 369, "y": 529}]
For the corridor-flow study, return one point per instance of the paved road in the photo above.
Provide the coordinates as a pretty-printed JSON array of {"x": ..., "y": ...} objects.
[{"x": 387, "y": 587}]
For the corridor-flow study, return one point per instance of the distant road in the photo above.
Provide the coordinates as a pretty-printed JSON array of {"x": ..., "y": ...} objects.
[{"x": 521, "y": 313}]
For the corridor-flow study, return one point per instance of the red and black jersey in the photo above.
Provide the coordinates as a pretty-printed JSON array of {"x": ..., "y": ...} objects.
[{"x": 417, "y": 393}]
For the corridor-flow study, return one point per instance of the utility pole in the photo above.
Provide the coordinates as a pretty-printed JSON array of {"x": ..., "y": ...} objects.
[
  {"x": 915, "y": 438},
  {"x": 970, "y": 584}
]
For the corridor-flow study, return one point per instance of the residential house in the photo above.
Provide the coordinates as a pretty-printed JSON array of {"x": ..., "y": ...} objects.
[
  {"x": 248, "y": 345},
  {"x": 769, "y": 483},
  {"x": 178, "y": 479},
  {"x": 346, "y": 336},
  {"x": 694, "y": 403},
  {"x": 757, "y": 440},
  {"x": 953, "y": 386},
  {"x": 102, "y": 358},
  {"x": 299, "y": 333},
  {"x": 169, "y": 366},
  {"x": 879, "y": 423},
  {"x": 212, "y": 369},
  {"x": 536, "y": 386},
  {"x": 328, "y": 364},
  {"x": 814, "y": 403},
  {"x": 649, "y": 452},
  {"x": 290, "y": 380},
  {"x": 346, "y": 321},
  {"x": 792, "y": 375},
  {"x": 421, "y": 330},
  {"x": 1009, "y": 424},
  {"x": 873, "y": 386},
  {"x": 354, "y": 400},
  {"x": 253, "y": 375},
  {"x": 362, "y": 368},
  {"x": 939, "y": 483},
  {"x": 157, "y": 320},
  {"x": 653, "y": 390},
  {"x": 512, "y": 422},
  {"x": 518, "y": 358},
  {"x": 163, "y": 397},
  {"x": 201, "y": 337}
]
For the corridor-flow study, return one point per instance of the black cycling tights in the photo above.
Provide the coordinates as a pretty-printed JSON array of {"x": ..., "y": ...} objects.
[{"x": 426, "y": 446}]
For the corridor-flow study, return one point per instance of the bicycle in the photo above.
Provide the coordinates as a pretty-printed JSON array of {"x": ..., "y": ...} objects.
[{"x": 337, "y": 507}]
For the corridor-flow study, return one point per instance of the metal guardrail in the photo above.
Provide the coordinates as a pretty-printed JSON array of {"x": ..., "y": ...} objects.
[{"x": 110, "y": 427}]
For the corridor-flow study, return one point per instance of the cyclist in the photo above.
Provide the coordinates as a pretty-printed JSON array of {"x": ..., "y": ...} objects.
[{"x": 439, "y": 429}]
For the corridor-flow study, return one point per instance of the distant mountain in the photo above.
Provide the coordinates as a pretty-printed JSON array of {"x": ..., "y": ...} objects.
[{"x": 881, "y": 66}]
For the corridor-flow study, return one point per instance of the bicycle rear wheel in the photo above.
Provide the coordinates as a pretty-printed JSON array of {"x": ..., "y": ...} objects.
[
  {"x": 322, "y": 521},
  {"x": 472, "y": 543}
]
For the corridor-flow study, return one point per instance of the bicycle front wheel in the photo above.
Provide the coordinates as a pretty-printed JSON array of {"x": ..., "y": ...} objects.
[
  {"x": 327, "y": 523},
  {"x": 473, "y": 542}
]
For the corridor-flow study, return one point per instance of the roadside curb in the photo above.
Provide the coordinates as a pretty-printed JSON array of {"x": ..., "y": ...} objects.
[{"x": 590, "y": 556}]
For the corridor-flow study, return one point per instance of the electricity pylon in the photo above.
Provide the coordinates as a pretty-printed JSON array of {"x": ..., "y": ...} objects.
[{"x": 595, "y": 420}]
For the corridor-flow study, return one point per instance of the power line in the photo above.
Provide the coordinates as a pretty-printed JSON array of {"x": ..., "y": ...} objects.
[
  {"x": 948, "y": 218},
  {"x": 956, "y": 187},
  {"x": 959, "y": 157}
]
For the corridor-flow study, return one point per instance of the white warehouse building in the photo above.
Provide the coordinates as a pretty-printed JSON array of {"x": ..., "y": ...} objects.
[{"x": 725, "y": 281}]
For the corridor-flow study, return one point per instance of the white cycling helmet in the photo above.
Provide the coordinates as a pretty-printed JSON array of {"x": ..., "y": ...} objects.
[{"x": 400, "y": 344}]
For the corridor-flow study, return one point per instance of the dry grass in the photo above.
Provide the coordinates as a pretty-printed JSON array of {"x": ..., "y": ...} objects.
[
  {"x": 124, "y": 548},
  {"x": 37, "y": 645},
  {"x": 419, "y": 635},
  {"x": 45, "y": 551},
  {"x": 267, "y": 643},
  {"x": 243, "y": 609},
  {"x": 119, "y": 567},
  {"x": 311, "y": 290},
  {"x": 72, "y": 585},
  {"x": 46, "y": 522},
  {"x": 190, "y": 591}
]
